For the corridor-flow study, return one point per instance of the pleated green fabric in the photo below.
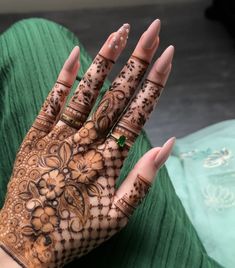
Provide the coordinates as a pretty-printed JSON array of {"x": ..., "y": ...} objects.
[{"x": 159, "y": 234}]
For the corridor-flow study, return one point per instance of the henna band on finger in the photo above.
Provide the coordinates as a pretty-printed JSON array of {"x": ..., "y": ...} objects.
[
  {"x": 157, "y": 84},
  {"x": 112, "y": 61},
  {"x": 61, "y": 82},
  {"x": 129, "y": 202},
  {"x": 140, "y": 60},
  {"x": 43, "y": 122}
]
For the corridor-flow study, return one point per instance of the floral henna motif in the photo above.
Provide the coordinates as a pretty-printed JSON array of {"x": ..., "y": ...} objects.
[
  {"x": 129, "y": 202},
  {"x": 118, "y": 96},
  {"x": 84, "y": 97},
  {"x": 62, "y": 188},
  {"x": 51, "y": 184},
  {"x": 85, "y": 168},
  {"x": 59, "y": 198},
  {"x": 87, "y": 134}
]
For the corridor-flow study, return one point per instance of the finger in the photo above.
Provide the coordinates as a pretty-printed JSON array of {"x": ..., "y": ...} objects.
[
  {"x": 87, "y": 90},
  {"x": 56, "y": 99},
  {"x": 133, "y": 120},
  {"x": 136, "y": 185},
  {"x": 124, "y": 86}
]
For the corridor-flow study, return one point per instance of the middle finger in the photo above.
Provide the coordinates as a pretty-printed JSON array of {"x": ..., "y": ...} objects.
[{"x": 123, "y": 87}]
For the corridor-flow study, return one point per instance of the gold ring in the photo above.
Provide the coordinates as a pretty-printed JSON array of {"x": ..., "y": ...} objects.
[
  {"x": 70, "y": 121},
  {"x": 120, "y": 139}
]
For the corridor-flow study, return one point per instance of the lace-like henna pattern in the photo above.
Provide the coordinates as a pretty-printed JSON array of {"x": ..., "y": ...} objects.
[
  {"x": 129, "y": 202},
  {"x": 59, "y": 198},
  {"x": 138, "y": 112},
  {"x": 119, "y": 94},
  {"x": 84, "y": 97},
  {"x": 51, "y": 107}
]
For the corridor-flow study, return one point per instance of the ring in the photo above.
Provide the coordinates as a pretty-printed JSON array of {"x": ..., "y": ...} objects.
[
  {"x": 75, "y": 115},
  {"x": 123, "y": 136},
  {"x": 121, "y": 140},
  {"x": 70, "y": 121}
]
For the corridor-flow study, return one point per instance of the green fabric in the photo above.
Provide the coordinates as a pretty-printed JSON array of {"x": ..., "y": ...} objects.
[
  {"x": 160, "y": 233},
  {"x": 202, "y": 168}
]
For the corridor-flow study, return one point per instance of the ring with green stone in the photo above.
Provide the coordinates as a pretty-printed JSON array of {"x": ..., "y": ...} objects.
[{"x": 120, "y": 139}]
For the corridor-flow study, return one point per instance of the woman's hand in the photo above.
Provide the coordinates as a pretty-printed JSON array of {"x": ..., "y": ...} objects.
[{"x": 61, "y": 200}]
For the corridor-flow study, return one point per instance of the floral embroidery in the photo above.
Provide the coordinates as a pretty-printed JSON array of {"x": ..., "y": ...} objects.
[
  {"x": 211, "y": 159},
  {"x": 218, "y": 197},
  {"x": 85, "y": 167},
  {"x": 195, "y": 154},
  {"x": 218, "y": 158},
  {"x": 52, "y": 184}
]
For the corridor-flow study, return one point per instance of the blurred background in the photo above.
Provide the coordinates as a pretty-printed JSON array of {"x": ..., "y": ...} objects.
[{"x": 200, "y": 90}]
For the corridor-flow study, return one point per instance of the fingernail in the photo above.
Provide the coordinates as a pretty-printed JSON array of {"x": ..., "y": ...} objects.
[
  {"x": 164, "y": 153},
  {"x": 118, "y": 41},
  {"x": 163, "y": 63},
  {"x": 160, "y": 71},
  {"x": 72, "y": 59},
  {"x": 151, "y": 34}
]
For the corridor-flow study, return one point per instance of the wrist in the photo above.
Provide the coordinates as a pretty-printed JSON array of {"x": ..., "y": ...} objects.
[{"x": 7, "y": 261}]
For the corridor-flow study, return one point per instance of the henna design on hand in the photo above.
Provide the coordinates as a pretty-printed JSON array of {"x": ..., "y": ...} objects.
[
  {"x": 84, "y": 97},
  {"x": 118, "y": 95},
  {"x": 51, "y": 107},
  {"x": 129, "y": 202},
  {"x": 58, "y": 201},
  {"x": 138, "y": 112}
]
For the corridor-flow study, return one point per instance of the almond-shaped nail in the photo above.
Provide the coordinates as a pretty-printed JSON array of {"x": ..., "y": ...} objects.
[
  {"x": 164, "y": 153},
  {"x": 120, "y": 37},
  {"x": 151, "y": 34},
  {"x": 148, "y": 42},
  {"x": 162, "y": 64},
  {"x": 161, "y": 68},
  {"x": 115, "y": 43},
  {"x": 72, "y": 59}
]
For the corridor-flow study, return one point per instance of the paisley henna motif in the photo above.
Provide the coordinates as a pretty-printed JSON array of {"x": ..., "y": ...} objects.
[{"x": 118, "y": 96}]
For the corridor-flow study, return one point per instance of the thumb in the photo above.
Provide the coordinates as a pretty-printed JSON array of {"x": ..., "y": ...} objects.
[{"x": 137, "y": 183}]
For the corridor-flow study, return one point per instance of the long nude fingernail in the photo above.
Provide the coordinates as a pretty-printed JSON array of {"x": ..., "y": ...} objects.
[
  {"x": 148, "y": 42},
  {"x": 151, "y": 34},
  {"x": 162, "y": 64},
  {"x": 161, "y": 68},
  {"x": 164, "y": 153},
  {"x": 72, "y": 59}
]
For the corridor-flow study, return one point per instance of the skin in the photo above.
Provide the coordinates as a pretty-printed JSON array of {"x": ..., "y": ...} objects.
[{"x": 61, "y": 200}]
